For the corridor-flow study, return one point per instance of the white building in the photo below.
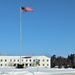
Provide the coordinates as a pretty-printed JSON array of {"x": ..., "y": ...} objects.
[{"x": 27, "y": 61}]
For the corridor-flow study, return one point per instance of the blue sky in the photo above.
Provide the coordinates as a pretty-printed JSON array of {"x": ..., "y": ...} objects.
[{"x": 48, "y": 30}]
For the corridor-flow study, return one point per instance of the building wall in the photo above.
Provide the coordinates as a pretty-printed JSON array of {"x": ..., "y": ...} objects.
[{"x": 28, "y": 61}]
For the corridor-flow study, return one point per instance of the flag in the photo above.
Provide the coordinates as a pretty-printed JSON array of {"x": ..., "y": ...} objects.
[{"x": 26, "y": 9}]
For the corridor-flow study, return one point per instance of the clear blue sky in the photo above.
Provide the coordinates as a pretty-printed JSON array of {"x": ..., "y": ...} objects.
[{"x": 49, "y": 30}]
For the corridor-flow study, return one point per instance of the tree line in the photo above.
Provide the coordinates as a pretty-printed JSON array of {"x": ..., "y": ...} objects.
[{"x": 63, "y": 62}]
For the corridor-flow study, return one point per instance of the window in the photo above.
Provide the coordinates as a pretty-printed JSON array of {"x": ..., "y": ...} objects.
[
  {"x": 47, "y": 64},
  {"x": 1, "y": 64},
  {"x": 30, "y": 60},
  {"x": 43, "y": 60},
  {"x": 10, "y": 60},
  {"x": 14, "y": 60},
  {"x": 5, "y": 64},
  {"x": 5, "y": 60},
  {"x": 47, "y": 60},
  {"x": 18, "y": 60},
  {"x": 43, "y": 64},
  {"x": 26, "y": 60},
  {"x": 33, "y": 60},
  {"x": 30, "y": 64},
  {"x": 1, "y": 60},
  {"x": 39, "y": 60}
]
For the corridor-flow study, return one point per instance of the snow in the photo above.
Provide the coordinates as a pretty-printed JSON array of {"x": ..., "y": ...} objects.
[{"x": 34, "y": 71}]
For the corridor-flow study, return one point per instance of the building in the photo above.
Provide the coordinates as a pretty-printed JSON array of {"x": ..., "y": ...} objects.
[{"x": 27, "y": 61}]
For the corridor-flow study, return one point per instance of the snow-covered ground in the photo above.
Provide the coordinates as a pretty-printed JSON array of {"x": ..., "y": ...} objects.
[{"x": 34, "y": 71}]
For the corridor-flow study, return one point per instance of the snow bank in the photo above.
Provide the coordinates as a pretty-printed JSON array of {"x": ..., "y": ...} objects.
[
  {"x": 34, "y": 71},
  {"x": 15, "y": 73}
]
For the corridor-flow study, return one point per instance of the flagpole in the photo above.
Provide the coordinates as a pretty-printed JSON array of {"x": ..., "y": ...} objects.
[
  {"x": 27, "y": 9},
  {"x": 20, "y": 36}
]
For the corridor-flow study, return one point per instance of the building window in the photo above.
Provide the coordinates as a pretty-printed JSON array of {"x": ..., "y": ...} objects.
[
  {"x": 43, "y": 64},
  {"x": 26, "y": 64},
  {"x": 33, "y": 60},
  {"x": 14, "y": 60},
  {"x": 30, "y": 64},
  {"x": 5, "y": 64},
  {"x": 18, "y": 60},
  {"x": 1, "y": 60},
  {"x": 47, "y": 60},
  {"x": 43, "y": 60},
  {"x": 39, "y": 65},
  {"x": 5, "y": 60},
  {"x": 1, "y": 64},
  {"x": 26, "y": 60},
  {"x": 30, "y": 60},
  {"x": 10, "y": 60},
  {"x": 47, "y": 64}
]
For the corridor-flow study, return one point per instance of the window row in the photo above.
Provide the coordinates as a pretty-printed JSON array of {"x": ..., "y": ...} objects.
[
  {"x": 23, "y": 60},
  {"x": 29, "y": 65},
  {"x": 2, "y": 64},
  {"x": 10, "y": 60}
]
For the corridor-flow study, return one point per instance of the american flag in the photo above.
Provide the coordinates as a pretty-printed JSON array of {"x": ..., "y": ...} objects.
[{"x": 25, "y": 9}]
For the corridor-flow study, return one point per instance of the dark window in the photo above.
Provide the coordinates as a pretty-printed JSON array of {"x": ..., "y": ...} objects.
[
  {"x": 26, "y": 64},
  {"x": 30, "y": 64},
  {"x": 43, "y": 64},
  {"x": 47, "y": 60},
  {"x": 30, "y": 60},
  {"x": 26, "y": 60},
  {"x": 5, "y": 64},
  {"x": 47, "y": 64},
  {"x": 33, "y": 60},
  {"x": 14, "y": 60},
  {"x": 39, "y": 64},
  {"x": 1, "y": 64},
  {"x": 5, "y": 60},
  {"x": 10, "y": 60},
  {"x": 1, "y": 60},
  {"x": 43, "y": 60},
  {"x": 18, "y": 60}
]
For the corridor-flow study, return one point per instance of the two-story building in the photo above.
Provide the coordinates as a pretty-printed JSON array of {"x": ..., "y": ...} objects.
[{"x": 27, "y": 61}]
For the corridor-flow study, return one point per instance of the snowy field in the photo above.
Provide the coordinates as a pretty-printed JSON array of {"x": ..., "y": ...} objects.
[{"x": 36, "y": 71}]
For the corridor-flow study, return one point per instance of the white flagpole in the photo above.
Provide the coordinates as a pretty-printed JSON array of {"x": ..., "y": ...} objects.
[{"x": 20, "y": 35}]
